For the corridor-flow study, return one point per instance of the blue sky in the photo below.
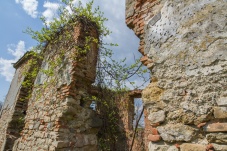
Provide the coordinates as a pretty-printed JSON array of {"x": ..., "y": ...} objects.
[{"x": 17, "y": 15}]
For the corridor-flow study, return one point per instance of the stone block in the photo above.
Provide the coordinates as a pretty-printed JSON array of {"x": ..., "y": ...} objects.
[
  {"x": 41, "y": 127},
  {"x": 222, "y": 101},
  {"x": 37, "y": 124},
  {"x": 220, "y": 138},
  {"x": 157, "y": 117},
  {"x": 220, "y": 112},
  {"x": 215, "y": 127},
  {"x": 192, "y": 147},
  {"x": 152, "y": 94},
  {"x": 218, "y": 147},
  {"x": 181, "y": 116},
  {"x": 176, "y": 132},
  {"x": 160, "y": 146},
  {"x": 195, "y": 108},
  {"x": 30, "y": 126}
]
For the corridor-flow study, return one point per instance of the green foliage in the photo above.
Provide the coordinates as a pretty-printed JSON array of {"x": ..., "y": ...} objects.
[
  {"x": 110, "y": 73},
  {"x": 69, "y": 16}
]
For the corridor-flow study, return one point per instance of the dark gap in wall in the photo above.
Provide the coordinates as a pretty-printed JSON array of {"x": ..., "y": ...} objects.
[{"x": 82, "y": 102}]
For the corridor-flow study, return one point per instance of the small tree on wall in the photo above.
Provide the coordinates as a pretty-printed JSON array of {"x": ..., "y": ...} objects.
[{"x": 111, "y": 73}]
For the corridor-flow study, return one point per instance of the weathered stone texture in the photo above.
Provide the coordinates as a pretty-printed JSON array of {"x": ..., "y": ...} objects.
[
  {"x": 161, "y": 147},
  {"x": 157, "y": 117},
  {"x": 192, "y": 147},
  {"x": 185, "y": 43},
  {"x": 218, "y": 147},
  {"x": 216, "y": 127},
  {"x": 220, "y": 138},
  {"x": 220, "y": 112},
  {"x": 176, "y": 132}
]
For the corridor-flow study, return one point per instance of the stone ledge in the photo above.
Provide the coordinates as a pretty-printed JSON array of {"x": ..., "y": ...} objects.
[
  {"x": 220, "y": 112},
  {"x": 220, "y": 138},
  {"x": 218, "y": 147},
  {"x": 215, "y": 127},
  {"x": 222, "y": 101},
  {"x": 192, "y": 147}
]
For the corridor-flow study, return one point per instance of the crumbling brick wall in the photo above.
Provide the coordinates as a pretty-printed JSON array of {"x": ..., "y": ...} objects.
[
  {"x": 58, "y": 115},
  {"x": 15, "y": 105},
  {"x": 184, "y": 46}
]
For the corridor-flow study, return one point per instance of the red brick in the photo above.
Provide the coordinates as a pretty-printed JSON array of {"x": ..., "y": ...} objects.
[
  {"x": 142, "y": 24},
  {"x": 154, "y": 138},
  {"x": 142, "y": 31},
  {"x": 135, "y": 20},
  {"x": 138, "y": 3},
  {"x": 141, "y": 50},
  {"x": 138, "y": 33},
  {"x": 209, "y": 146},
  {"x": 142, "y": 42},
  {"x": 141, "y": 28},
  {"x": 141, "y": 20},
  {"x": 145, "y": 4},
  {"x": 177, "y": 145},
  {"x": 141, "y": 46},
  {"x": 155, "y": 124},
  {"x": 143, "y": 59},
  {"x": 201, "y": 125},
  {"x": 147, "y": 62},
  {"x": 154, "y": 131},
  {"x": 137, "y": 9}
]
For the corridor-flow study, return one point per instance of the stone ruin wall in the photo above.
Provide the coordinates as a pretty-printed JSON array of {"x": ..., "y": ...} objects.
[
  {"x": 184, "y": 44},
  {"x": 15, "y": 106},
  {"x": 58, "y": 114}
]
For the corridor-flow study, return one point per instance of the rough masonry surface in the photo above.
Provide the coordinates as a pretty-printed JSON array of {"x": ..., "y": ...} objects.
[{"x": 184, "y": 44}]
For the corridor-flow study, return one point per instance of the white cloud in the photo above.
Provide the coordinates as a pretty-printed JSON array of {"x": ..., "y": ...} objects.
[
  {"x": 51, "y": 11},
  {"x": 6, "y": 67},
  {"x": 30, "y": 7},
  {"x": 19, "y": 51}
]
